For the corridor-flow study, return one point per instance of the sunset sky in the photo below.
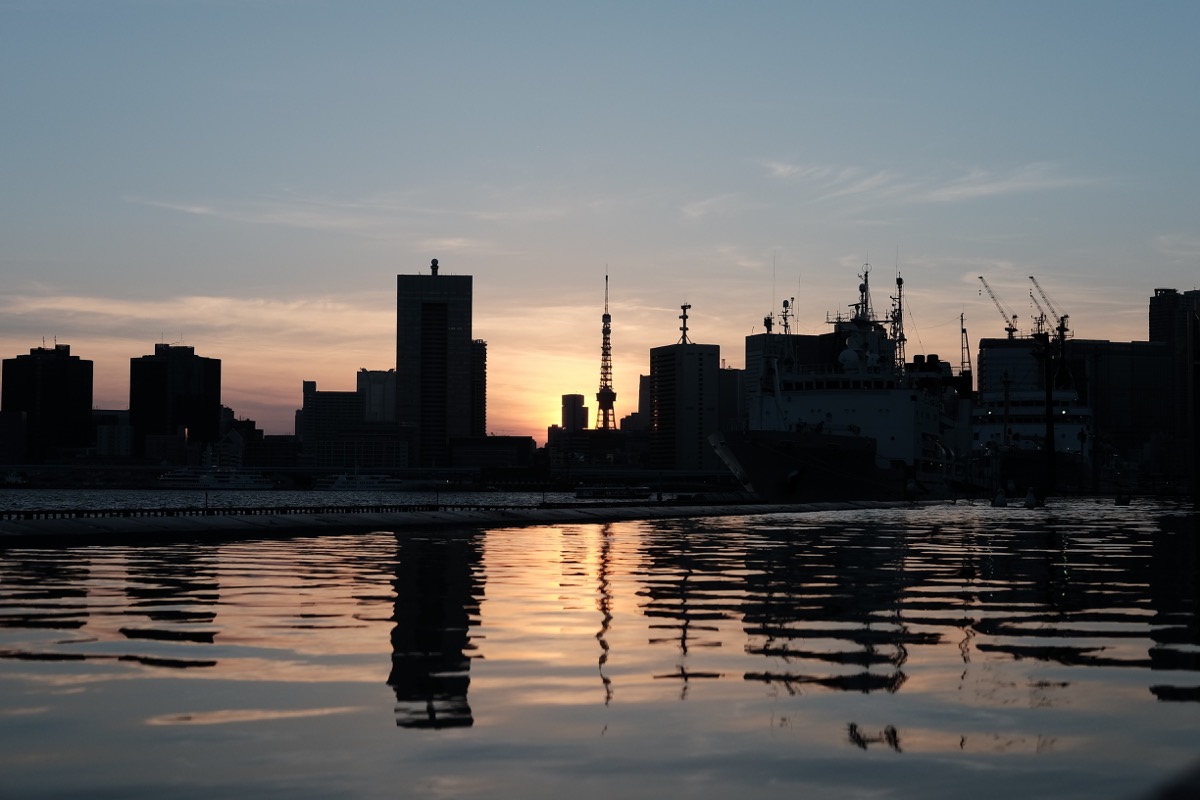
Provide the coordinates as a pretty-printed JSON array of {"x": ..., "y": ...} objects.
[{"x": 247, "y": 177}]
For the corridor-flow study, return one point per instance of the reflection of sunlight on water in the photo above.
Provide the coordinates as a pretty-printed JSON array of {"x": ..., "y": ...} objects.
[
  {"x": 238, "y": 715},
  {"x": 720, "y": 655}
]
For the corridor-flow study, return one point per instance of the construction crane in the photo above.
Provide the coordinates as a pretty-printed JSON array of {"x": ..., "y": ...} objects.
[
  {"x": 1010, "y": 319},
  {"x": 1059, "y": 318},
  {"x": 964, "y": 364},
  {"x": 1039, "y": 322}
]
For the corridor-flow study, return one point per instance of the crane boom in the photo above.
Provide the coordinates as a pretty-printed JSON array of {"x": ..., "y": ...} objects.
[
  {"x": 1059, "y": 318},
  {"x": 1039, "y": 322},
  {"x": 1010, "y": 319}
]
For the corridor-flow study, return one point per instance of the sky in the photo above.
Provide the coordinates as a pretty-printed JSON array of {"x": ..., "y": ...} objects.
[{"x": 248, "y": 177}]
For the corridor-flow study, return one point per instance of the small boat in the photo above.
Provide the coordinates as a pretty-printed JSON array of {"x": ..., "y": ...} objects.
[{"x": 609, "y": 492}]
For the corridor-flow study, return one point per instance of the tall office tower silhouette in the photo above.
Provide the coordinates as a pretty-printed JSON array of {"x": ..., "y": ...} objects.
[
  {"x": 574, "y": 413},
  {"x": 685, "y": 392},
  {"x": 175, "y": 392},
  {"x": 437, "y": 363},
  {"x": 53, "y": 390}
]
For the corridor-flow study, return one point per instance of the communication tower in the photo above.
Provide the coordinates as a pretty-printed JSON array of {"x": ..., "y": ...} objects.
[
  {"x": 605, "y": 417},
  {"x": 683, "y": 318}
]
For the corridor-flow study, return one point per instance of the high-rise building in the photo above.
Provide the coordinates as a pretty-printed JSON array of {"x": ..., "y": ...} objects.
[
  {"x": 685, "y": 384},
  {"x": 478, "y": 388},
  {"x": 348, "y": 430},
  {"x": 1169, "y": 310},
  {"x": 52, "y": 389},
  {"x": 685, "y": 396},
  {"x": 574, "y": 413},
  {"x": 175, "y": 394},
  {"x": 377, "y": 390},
  {"x": 1175, "y": 320},
  {"x": 438, "y": 364}
]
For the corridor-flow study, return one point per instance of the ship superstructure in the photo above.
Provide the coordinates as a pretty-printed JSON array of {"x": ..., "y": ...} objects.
[{"x": 842, "y": 415}]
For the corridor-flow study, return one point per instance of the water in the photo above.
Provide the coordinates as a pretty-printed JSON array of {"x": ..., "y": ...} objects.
[{"x": 936, "y": 653}]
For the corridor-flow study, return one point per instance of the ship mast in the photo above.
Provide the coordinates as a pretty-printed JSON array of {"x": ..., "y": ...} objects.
[
  {"x": 605, "y": 417},
  {"x": 897, "y": 320}
]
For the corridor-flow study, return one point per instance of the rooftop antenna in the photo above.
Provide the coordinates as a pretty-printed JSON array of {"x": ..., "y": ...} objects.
[
  {"x": 605, "y": 416},
  {"x": 684, "y": 308},
  {"x": 433, "y": 266},
  {"x": 862, "y": 309},
  {"x": 773, "y": 278}
]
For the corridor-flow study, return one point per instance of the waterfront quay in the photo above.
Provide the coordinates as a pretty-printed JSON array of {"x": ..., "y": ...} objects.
[{"x": 99, "y": 526}]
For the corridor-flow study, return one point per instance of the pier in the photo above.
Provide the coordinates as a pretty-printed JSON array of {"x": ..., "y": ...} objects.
[{"x": 107, "y": 526}]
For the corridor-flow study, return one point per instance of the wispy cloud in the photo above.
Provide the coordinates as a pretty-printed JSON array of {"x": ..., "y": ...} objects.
[
  {"x": 456, "y": 243},
  {"x": 329, "y": 320},
  {"x": 1037, "y": 177},
  {"x": 1178, "y": 245},
  {"x": 891, "y": 186},
  {"x": 782, "y": 169},
  {"x": 852, "y": 182},
  {"x": 377, "y": 215},
  {"x": 721, "y": 204},
  {"x": 709, "y": 205}
]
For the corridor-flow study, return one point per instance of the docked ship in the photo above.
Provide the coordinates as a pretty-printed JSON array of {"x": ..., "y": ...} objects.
[
  {"x": 356, "y": 482},
  {"x": 1027, "y": 394},
  {"x": 843, "y": 415},
  {"x": 214, "y": 478}
]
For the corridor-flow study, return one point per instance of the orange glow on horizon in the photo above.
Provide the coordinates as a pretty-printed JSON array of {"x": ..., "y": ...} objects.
[{"x": 268, "y": 348}]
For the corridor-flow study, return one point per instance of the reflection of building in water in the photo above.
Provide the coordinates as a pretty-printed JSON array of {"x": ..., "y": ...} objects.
[
  {"x": 438, "y": 591},
  {"x": 827, "y": 609},
  {"x": 175, "y": 589},
  {"x": 1175, "y": 597},
  {"x": 692, "y": 586},
  {"x": 42, "y": 589}
]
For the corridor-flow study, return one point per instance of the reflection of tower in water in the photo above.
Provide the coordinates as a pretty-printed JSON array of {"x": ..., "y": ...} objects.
[
  {"x": 604, "y": 605},
  {"x": 437, "y": 600}
]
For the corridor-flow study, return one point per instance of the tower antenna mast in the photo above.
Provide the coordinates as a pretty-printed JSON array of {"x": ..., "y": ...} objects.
[
  {"x": 605, "y": 397},
  {"x": 683, "y": 317}
]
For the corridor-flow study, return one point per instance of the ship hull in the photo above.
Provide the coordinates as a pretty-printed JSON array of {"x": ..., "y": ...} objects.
[{"x": 808, "y": 467}]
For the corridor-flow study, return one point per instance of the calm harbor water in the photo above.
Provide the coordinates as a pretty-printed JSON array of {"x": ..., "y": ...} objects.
[{"x": 936, "y": 652}]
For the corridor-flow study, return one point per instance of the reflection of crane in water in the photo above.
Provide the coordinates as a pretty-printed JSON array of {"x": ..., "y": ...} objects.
[{"x": 604, "y": 604}]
